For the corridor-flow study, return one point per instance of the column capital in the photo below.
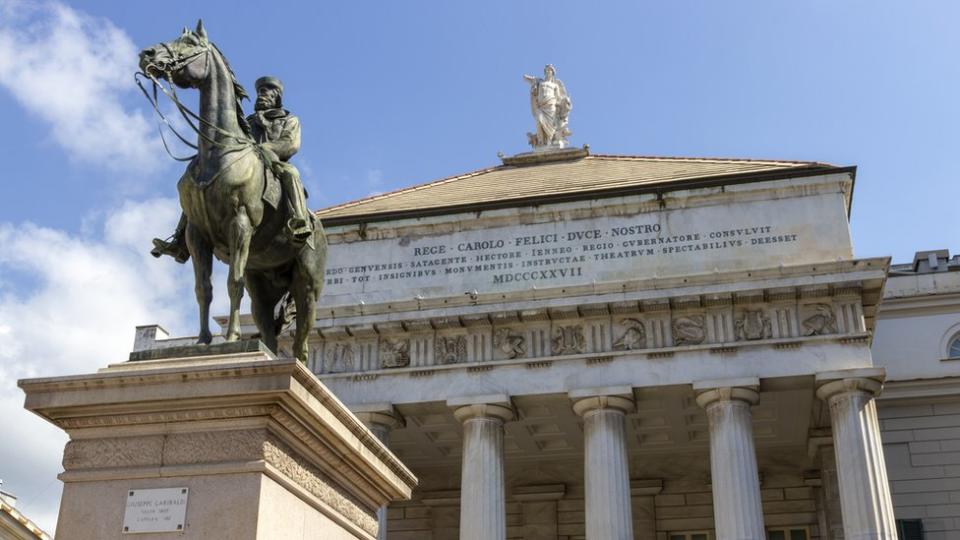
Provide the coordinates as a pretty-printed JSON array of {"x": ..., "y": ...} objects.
[
  {"x": 712, "y": 391},
  {"x": 617, "y": 398},
  {"x": 380, "y": 414},
  {"x": 496, "y": 407},
  {"x": 865, "y": 380}
]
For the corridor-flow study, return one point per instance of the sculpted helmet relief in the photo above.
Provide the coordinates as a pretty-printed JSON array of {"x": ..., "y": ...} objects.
[
  {"x": 822, "y": 320},
  {"x": 634, "y": 335}
]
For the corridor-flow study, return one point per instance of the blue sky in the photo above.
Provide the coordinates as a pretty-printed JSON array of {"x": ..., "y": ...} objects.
[{"x": 396, "y": 93}]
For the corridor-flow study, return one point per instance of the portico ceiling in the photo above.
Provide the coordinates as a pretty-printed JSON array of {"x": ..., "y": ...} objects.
[{"x": 667, "y": 423}]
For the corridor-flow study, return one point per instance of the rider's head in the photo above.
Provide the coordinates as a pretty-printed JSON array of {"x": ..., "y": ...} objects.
[{"x": 269, "y": 93}]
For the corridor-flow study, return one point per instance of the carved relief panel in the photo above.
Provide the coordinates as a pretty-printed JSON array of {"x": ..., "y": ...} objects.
[
  {"x": 689, "y": 330},
  {"x": 339, "y": 358},
  {"x": 567, "y": 340},
  {"x": 631, "y": 335},
  {"x": 450, "y": 349},
  {"x": 394, "y": 353},
  {"x": 753, "y": 324},
  {"x": 509, "y": 343},
  {"x": 818, "y": 320}
]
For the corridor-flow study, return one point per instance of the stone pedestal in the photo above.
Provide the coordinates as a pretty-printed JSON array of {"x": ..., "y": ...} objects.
[
  {"x": 733, "y": 459},
  {"x": 606, "y": 473},
  {"x": 263, "y": 448},
  {"x": 483, "y": 508},
  {"x": 864, "y": 491}
]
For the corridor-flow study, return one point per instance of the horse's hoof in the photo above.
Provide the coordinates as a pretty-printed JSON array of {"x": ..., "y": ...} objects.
[
  {"x": 204, "y": 339},
  {"x": 231, "y": 336}
]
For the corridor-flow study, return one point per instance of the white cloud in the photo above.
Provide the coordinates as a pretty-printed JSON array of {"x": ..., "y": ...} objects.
[
  {"x": 85, "y": 297},
  {"x": 73, "y": 71}
]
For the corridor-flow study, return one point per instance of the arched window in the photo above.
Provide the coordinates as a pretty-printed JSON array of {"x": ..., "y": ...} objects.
[{"x": 953, "y": 351}]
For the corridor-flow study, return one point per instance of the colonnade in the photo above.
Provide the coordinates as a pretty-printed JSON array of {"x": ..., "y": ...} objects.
[{"x": 864, "y": 492}]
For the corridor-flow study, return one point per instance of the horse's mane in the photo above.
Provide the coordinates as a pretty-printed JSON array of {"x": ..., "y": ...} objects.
[{"x": 239, "y": 92}]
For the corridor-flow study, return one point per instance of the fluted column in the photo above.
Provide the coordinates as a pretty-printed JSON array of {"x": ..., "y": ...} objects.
[
  {"x": 380, "y": 419},
  {"x": 733, "y": 459},
  {"x": 865, "y": 501},
  {"x": 607, "y": 475},
  {"x": 483, "y": 505}
]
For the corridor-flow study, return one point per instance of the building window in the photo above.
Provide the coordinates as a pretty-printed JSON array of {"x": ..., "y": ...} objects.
[
  {"x": 911, "y": 529},
  {"x": 953, "y": 351},
  {"x": 788, "y": 533},
  {"x": 699, "y": 535}
]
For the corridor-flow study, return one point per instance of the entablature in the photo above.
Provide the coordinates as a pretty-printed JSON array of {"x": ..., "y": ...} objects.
[{"x": 776, "y": 307}]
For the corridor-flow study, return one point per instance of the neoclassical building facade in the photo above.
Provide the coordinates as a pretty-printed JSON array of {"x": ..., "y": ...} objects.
[
  {"x": 570, "y": 346},
  {"x": 574, "y": 346}
]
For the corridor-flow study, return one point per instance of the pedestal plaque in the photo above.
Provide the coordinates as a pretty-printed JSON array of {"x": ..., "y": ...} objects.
[{"x": 155, "y": 510}]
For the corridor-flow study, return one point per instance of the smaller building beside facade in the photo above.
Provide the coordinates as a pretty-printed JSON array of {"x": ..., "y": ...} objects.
[
  {"x": 14, "y": 525},
  {"x": 917, "y": 341}
]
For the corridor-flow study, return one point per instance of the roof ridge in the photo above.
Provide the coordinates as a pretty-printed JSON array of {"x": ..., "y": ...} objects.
[{"x": 626, "y": 157}]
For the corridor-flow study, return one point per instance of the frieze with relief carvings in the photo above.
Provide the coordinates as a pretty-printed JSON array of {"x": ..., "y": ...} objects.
[{"x": 657, "y": 325}]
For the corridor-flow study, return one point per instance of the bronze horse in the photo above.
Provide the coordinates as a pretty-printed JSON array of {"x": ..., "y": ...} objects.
[{"x": 222, "y": 196}]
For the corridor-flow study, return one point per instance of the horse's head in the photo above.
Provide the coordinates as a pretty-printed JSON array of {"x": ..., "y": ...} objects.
[{"x": 184, "y": 61}]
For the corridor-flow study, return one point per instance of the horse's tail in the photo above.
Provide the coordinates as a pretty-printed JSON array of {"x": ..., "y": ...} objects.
[{"x": 285, "y": 313}]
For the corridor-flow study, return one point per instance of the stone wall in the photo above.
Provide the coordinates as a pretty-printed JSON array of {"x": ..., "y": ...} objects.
[{"x": 922, "y": 450}]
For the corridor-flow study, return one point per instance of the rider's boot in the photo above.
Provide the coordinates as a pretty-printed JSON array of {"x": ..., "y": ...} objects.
[{"x": 175, "y": 246}]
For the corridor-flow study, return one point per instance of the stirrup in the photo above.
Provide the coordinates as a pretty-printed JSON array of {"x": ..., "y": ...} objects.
[{"x": 173, "y": 249}]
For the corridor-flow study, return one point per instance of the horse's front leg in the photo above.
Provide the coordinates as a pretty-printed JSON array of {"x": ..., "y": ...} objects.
[
  {"x": 241, "y": 231},
  {"x": 201, "y": 253}
]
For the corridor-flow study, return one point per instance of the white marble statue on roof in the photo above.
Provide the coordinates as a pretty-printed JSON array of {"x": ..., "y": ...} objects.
[{"x": 550, "y": 105}]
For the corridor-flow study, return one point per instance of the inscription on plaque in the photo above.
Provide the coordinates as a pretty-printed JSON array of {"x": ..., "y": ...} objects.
[{"x": 155, "y": 510}]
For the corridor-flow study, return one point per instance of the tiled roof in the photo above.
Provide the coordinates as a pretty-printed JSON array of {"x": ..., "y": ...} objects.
[
  {"x": 593, "y": 173},
  {"x": 11, "y": 519}
]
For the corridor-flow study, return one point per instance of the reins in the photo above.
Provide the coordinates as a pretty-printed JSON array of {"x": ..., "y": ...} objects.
[{"x": 185, "y": 112}]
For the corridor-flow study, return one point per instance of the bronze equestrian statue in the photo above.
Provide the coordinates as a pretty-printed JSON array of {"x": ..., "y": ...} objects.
[{"x": 242, "y": 201}]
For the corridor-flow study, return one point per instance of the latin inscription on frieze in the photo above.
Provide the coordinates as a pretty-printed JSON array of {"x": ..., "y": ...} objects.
[{"x": 688, "y": 241}]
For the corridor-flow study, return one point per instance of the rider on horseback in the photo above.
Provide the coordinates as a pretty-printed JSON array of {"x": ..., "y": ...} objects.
[{"x": 277, "y": 134}]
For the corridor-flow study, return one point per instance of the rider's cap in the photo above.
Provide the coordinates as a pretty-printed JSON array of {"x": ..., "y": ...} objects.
[{"x": 269, "y": 81}]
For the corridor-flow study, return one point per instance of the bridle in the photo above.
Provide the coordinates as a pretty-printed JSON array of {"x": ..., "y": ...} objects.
[{"x": 167, "y": 69}]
